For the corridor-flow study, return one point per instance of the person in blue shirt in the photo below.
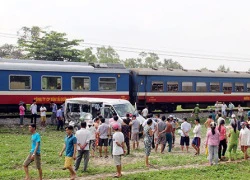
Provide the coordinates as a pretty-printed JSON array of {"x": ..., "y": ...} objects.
[
  {"x": 34, "y": 152},
  {"x": 69, "y": 147}
]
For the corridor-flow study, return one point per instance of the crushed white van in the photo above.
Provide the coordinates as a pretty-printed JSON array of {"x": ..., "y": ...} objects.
[{"x": 75, "y": 108}]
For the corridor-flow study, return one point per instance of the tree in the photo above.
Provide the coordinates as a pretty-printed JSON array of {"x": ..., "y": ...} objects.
[
  {"x": 52, "y": 46},
  {"x": 223, "y": 68},
  {"x": 169, "y": 63},
  {"x": 88, "y": 56},
  {"x": 10, "y": 51},
  {"x": 107, "y": 55},
  {"x": 204, "y": 69},
  {"x": 152, "y": 60}
]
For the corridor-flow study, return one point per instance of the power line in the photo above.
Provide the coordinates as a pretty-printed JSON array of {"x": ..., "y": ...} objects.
[
  {"x": 171, "y": 52},
  {"x": 182, "y": 56}
]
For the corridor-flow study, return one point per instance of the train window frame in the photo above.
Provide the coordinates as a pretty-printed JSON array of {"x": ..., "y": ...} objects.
[
  {"x": 235, "y": 86},
  {"x": 210, "y": 90},
  {"x": 80, "y": 77},
  {"x": 196, "y": 85},
  {"x": 192, "y": 90},
  {"x": 159, "y": 83},
  {"x": 107, "y": 89},
  {"x": 51, "y": 89},
  {"x": 227, "y": 87},
  {"x": 173, "y": 82},
  {"x": 248, "y": 87},
  {"x": 21, "y": 89}
]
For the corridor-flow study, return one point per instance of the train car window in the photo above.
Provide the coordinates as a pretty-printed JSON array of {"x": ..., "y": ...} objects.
[
  {"x": 187, "y": 86},
  {"x": 239, "y": 87},
  {"x": 51, "y": 83},
  {"x": 214, "y": 86},
  {"x": 157, "y": 86},
  {"x": 80, "y": 83},
  {"x": 201, "y": 87},
  {"x": 248, "y": 87},
  {"x": 172, "y": 86},
  {"x": 227, "y": 86},
  {"x": 19, "y": 82},
  {"x": 107, "y": 84}
]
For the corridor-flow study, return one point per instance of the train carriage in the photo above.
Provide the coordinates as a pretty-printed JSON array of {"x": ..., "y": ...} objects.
[
  {"x": 45, "y": 81},
  {"x": 166, "y": 88}
]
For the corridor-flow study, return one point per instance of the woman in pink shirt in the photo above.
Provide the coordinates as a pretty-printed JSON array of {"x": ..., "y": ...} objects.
[
  {"x": 213, "y": 141},
  {"x": 21, "y": 113},
  {"x": 223, "y": 139}
]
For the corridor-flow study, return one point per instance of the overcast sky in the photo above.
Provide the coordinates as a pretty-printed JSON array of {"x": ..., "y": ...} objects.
[{"x": 178, "y": 27}]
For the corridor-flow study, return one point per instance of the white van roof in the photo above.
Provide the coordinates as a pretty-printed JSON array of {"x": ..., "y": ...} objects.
[{"x": 96, "y": 100}]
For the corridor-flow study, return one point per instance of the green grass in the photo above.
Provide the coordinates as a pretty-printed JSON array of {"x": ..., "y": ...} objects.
[
  {"x": 15, "y": 146},
  {"x": 224, "y": 171}
]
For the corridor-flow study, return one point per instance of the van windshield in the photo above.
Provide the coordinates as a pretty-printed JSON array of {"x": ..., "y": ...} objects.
[{"x": 123, "y": 109}]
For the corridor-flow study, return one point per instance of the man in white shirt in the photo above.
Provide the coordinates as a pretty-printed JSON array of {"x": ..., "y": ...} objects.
[
  {"x": 223, "y": 109},
  {"x": 118, "y": 148},
  {"x": 197, "y": 136},
  {"x": 83, "y": 138},
  {"x": 217, "y": 107},
  {"x": 231, "y": 108},
  {"x": 43, "y": 115},
  {"x": 185, "y": 128},
  {"x": 145, "y": 112},
  {"x": 219, "y": 119},
  {"x": 33, "y": 109}
]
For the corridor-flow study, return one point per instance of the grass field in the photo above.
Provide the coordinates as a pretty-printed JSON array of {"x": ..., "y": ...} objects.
[{"x": 15, "y": 146}]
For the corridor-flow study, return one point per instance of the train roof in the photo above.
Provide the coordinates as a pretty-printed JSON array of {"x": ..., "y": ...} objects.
[
  {"x": 184, "y": 72},
  {"x": 96, "y": 100},
  {"x": 60, "y": 66}
]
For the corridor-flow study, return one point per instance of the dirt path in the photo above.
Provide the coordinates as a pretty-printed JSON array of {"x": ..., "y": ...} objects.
[{"x": 152, "y": 169}]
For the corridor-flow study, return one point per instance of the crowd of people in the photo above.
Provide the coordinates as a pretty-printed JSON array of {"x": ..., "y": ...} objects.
[{"x": 96, "y": 135}]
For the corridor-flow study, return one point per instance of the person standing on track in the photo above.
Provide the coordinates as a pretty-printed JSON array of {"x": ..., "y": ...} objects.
[
  {"x": 197, "y": 136},
  {"x": 33, "y": 109},
  {"x": 223, "y": 109},
  {"x": 21, "y": 113},
  {"x": 231, "y": 108},
  {"x": 217, "y": 107},
  {"x": 43, "y": 115},
  {"x": 196, "y": 111},
  {"x": 185, "y": 128},
  {"x": 34, "y": 152},
  {"x": 59, "y": 118},
  {"x": 53, "y": 115}
]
